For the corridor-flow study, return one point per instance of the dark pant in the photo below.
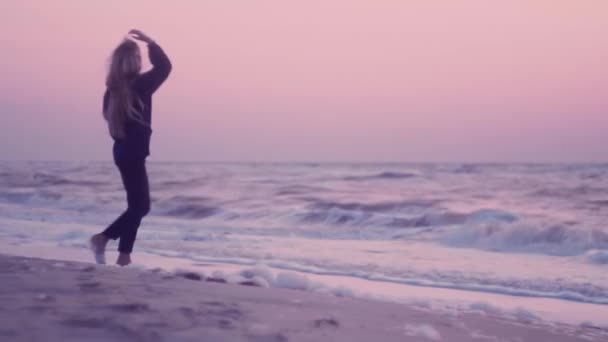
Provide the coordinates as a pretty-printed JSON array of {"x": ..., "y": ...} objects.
[{"x": 135, "y": 181}]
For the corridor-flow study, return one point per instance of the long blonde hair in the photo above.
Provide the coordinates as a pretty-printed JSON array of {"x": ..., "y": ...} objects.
[{"x": 125, "y": 66}]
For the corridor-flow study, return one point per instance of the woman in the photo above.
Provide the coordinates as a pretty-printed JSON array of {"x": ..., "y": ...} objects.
[{"x": 127, "y": 108}]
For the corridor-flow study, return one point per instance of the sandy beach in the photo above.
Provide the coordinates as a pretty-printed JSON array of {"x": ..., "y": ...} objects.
[{"x": 46, "y": 300}]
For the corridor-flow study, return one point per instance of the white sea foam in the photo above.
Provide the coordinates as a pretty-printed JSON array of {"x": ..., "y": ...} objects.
[
  {"x": 534, "y": 238},
  {"x": 422, "y": 330}
]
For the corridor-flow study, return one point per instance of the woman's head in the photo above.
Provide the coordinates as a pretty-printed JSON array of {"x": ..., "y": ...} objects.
[{"x": 125, "y": 66}]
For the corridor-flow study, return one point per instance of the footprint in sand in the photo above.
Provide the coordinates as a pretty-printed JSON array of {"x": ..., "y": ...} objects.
[
  {"x": 191, "y": 275},
  {"x": 326, "y": 323},
  {"x": 225, "y": 324},
  {"x": 223, "y": 311},
  {"x": 269, "y": 338},
  {"x": 130, "y": 307},
  {"x": 216, "y": 280},
  {"x": 249, "y": 283},
  {"x": 188, "y": 312},
  {"x": 91, "y": 285},
  {"x": 213, "y": 303},
  {"x": 88, "y": 269},
  {"x": 226, "y": 316},
  {"x": 231, "y": 313},
  {"x": 8, "y": 333},
  {"x": 84, "y": 322}
]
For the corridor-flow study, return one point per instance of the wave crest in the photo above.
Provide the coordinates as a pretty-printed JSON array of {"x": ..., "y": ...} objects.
[
  {"x": 382, "y": 175},
  {"x": 191, "y": 207},
  {"x": 556, "y": 240}
]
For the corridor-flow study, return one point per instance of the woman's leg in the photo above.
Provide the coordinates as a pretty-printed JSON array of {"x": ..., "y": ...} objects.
[{"x": 135, "y": 181}]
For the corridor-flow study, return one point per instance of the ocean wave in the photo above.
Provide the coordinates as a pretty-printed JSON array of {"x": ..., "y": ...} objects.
[
  {"x": 298, "y": 189},
  {"x": 412, "y": 214},
  {"x": 558, "y": 240},
  {"x": 466, "y": 169},
  {"x": 448, "y": 218},
  {"x": 42, "y": 179},
  {"x": 334, "y": 217},
  {"x": 429, "y": 220},
  {"x": 568, "y": 192},
  {"x": 598, "y": 257},
  {"x": 359, "y": 213},
  {"x": 178, "y": 184},
  {"x": 193, "y": 236},
  {"x": 382, "y": 175},
  {"x": 190, "y": 207},
  {"x": 29, "y": 196},
  {"x": 371, "y": 207}
]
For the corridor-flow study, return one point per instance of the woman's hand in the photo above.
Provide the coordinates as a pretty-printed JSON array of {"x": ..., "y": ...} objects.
[{"x": 137, "y": 34}]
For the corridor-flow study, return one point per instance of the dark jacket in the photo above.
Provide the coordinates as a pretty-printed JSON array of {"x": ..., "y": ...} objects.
[{"x": 136, "y": 143}]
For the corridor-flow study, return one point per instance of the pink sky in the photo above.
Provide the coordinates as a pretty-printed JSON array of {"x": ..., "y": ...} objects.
[{"x": 331, "y": 80}]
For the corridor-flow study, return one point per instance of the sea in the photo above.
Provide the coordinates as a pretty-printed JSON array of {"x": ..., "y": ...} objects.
[{"x": 536, "y": 231}]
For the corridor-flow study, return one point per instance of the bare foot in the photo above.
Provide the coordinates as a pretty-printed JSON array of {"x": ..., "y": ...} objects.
[
  {"x": 123, "y": 259},
  {"x": 98, "y": 244}
]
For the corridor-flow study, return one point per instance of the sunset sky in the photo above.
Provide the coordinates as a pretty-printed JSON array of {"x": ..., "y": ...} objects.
[{"x": 317, "y": 80}]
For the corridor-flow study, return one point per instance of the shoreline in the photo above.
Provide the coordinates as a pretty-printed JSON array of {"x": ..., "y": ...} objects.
[
  {"x": 69, "y": 300},
  {"x": 549, "y": 310}
]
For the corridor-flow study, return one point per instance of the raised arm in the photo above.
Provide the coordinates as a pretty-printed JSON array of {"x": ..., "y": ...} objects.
[{"x": 161, "y": 65}]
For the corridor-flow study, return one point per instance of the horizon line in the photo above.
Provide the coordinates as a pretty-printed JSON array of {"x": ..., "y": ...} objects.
[{"x": 522, "y": 162}]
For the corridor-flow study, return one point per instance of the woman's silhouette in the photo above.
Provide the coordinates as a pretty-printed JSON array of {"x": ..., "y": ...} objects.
[{"x": 127, "y": 108}]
